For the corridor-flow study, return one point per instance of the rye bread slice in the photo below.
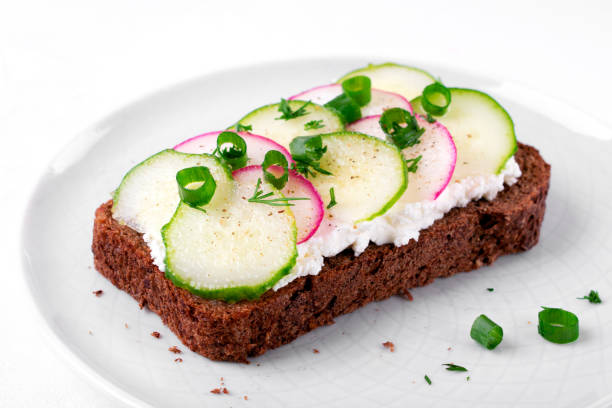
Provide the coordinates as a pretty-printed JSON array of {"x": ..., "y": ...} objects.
[{"x": 465, "y": 239}]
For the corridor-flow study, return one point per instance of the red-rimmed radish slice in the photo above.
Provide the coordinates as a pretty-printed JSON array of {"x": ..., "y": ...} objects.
[
  {"x": 381, "y": 100},
  {"x": 436, "y": 167},
  {"x": 257, "y": 146},
  {"x": 308, "y": 213}
]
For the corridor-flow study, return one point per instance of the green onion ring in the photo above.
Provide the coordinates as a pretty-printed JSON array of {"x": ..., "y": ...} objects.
[
  {"x": 198, "y": 196},
  {"x": 486, "y": 332},
  {"x": 236, "y": 155},
  {"x": 275, "y": 158},
  {"x": 359, "y": 89},
  {"x": 346, "y": 107},
  {"x": 558, "y": 325},
  {"x": 435, "y": 89}
]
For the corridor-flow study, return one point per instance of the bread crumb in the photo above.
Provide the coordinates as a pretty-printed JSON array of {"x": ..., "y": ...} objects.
[
  {"x": 98, "y": 292},
  {"x": 178, "y": 360},
  {"x": 156, "y": 335},
  {"x": 389, "y": 345},
  {"x": 315, "y": 351},
  {"x": 175, "y": 350},
  {"x": 405, "y": 293}
]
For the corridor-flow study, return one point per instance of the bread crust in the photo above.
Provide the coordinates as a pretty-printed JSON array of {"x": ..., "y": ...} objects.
[{"x": 464, "y": 239}]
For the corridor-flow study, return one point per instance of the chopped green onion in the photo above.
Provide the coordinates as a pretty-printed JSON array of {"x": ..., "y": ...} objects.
[
  {"x": 346, "y": 107},
  {"x": 197, "y": 196},
  {"x": 307, "y": 151},
  {"x": 392, "y": 121},
  {"x": 274, "y": 157},
  {"x": 359, "y": 89},
  {"x": 558, "y": 325},
  {"x": 332, "y": 200},
  {"x": 592, "y": 297},
  {"x": 486, "y": 332},
  {"x": 236, "y": 154},
  {"x": 454, "y": 367},
  {"x": 427, "y": 379},
  {"x": 431, "y": 100},
  {"x": 287, "y": 113}
]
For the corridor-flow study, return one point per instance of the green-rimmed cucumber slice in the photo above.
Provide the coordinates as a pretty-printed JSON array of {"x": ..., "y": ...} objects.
[
  {"x": 232, "y": 251},
  {"x": 482, "y": 130},
  {"x": 402, "y": 79},
  {"x": 148, "y": 194},
  {"x": 265, "y": 122},
  {"x": 368, "y": 176}
]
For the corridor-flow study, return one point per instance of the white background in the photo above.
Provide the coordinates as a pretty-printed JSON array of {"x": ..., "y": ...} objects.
[{"x": 65, "y": 64}]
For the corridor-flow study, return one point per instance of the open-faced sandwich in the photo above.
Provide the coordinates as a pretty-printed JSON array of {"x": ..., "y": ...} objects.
[{"x": 304, "y": 210}]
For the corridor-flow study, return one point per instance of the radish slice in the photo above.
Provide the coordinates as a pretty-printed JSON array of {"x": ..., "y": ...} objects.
[
  {"x": 381, "y": 100},
  {"x": 257, "y": 146},
  {"x": 308, "y": 213},
  {"x": 436, "y": 167}
]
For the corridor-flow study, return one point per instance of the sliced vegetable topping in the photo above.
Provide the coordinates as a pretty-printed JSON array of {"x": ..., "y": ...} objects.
[
  {"x": 435, "y": 99},
  {"x": 357, "y": 164},
  {"x": 274, "y": 157},
  {"x": 308, "y": 211},
  {"x": 200, "y": 195},
  {"x": 486, "y": 332},
  {"x": 346, "y": 107},
  {"x": 264, "y": 121},
  {"x": 235, "y": 156},
  {"x": 558, "y": 325}
]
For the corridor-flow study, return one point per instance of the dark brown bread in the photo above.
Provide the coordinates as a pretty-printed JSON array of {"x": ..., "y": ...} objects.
[{"x": 465, "y": 239}]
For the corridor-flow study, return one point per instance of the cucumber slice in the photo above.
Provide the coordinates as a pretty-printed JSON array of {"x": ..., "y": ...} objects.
[
  {"x": 235, "y": 250},
  {"x": 265, "y": 123},
  {"x": 148, "y": 194},
  {"x": 482, "y": 130},
  {"x": 404, "y": 80},
  {"x": 368, "y": 176}
]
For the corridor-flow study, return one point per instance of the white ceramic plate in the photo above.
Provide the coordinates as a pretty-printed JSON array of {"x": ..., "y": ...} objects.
[{"x": 352, "y": 368}]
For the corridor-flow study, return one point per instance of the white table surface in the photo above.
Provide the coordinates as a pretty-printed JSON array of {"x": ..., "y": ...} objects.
[{"x": 65, "y": 64}]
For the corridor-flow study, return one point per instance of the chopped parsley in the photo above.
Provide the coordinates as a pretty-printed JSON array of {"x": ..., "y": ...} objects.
[
  {"x": 287, "y": 113},
  {"x": 243, "y": 128},
  {"x": 413, "y": 164},
  {"x": 261, "y": 198},
  {"x": 454, "y": 367},
  {"x": 490, "y": 289},
  {"x": 307, "y": 152},
  {"x": 592, "y": 297},
  {"x": 401, "y": 127},
  {"x": 332, "y": 200},
  {"x": 314, "y": 124},
  {"x": 427, "y": 379}
]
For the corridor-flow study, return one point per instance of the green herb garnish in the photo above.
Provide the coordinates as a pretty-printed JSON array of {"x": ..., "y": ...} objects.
[
  {"x": 427, "y": 379},
  {"x": 332, "y": 200},
  {"x": 592, "y": 297},
  {"x": 307, "y": 151},
  {"x": 263, "y": 198},
  {"x": 435, "y": 99},
  {"x": 287, "y": 113},
  {"x": 486, "y": 332},
  {"x": 558, "y": 325},
  {"x": 243, "y": 128},
  {"x": 430, "y": 118},
  {"x": 201, "y": 195},
  {"x": 454, "y": 367},
  {"x": 401, "y": 127},
  {"x": 413, "y": 164},
  {"x": 467, "y": 378},
  {"x": 490, "y": 289},
  {"x": 314, "y": 124}
]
